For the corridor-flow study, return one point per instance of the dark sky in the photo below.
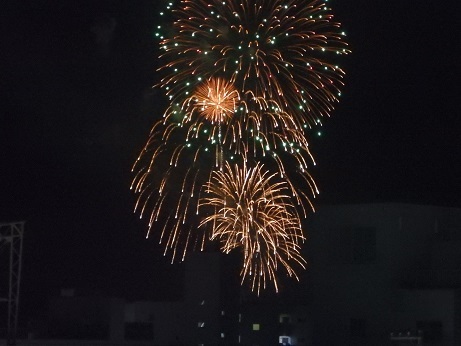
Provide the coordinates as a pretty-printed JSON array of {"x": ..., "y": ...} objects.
[{"x": 76, "y": 105}]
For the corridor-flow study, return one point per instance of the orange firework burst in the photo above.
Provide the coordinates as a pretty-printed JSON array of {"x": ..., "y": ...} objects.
[
  {"x": 255, "y": 214},
  {"x": 216, "y": 100}
]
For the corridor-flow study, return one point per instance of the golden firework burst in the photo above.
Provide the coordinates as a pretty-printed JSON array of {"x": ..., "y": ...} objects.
[
  {"x": 216, "y": 100},
  {"x": 253, "y": 212}
]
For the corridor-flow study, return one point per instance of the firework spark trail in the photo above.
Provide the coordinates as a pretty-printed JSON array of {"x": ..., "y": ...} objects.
[
  {"x": 253, "y": 211},
  {"x": 171, "y": 171},
  {"x": 216, "y": 105}
]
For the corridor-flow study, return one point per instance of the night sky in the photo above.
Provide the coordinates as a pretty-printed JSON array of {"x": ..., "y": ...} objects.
[{"x": 77, "y": 103}]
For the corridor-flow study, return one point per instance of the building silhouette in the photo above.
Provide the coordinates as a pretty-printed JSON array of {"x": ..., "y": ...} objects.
[
  {"x": 377, "y": 269},
  {"x": 377, "y": 274}
]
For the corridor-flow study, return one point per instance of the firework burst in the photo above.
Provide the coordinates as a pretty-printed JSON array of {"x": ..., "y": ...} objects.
[
  {"x": 216, "y": 100},
  {"x": 254, "y": 213},
  {"x": 277, "y": 50},
  {"x": 244, "y": 79}
]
